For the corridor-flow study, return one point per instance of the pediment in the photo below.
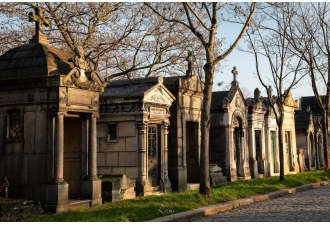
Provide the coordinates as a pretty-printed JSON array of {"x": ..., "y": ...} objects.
[
  {"x": 83, "y": 80},
  {"x": 159, "y": 94}
]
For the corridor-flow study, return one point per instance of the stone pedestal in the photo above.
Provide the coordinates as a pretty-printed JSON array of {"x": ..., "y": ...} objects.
[
  {"x": 216, "y": 176},
  {"x": 118, "y": 190},
  {"x": 254, "y": 168},
  {"x": 165, "y": 185},
  {"x": 143, "y": 188},
  {"x": 57, "y": 197},
  {"x": 295, "y": 163},
  {"x": 91, "y": 189},
  {"x": 301, "y": 160}
]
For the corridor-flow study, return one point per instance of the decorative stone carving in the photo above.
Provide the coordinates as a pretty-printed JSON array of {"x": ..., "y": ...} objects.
[
  {"x": 158, "y": 97},
  {"x": 62, "y": 96},
  {"x": 238, "y": 101},
  {"x": 235, "y": 73},
  {"x": 40, "y": 20},
  {"x": 257, "y": 94},
  {"x": 89, "y": 82},
  {"x": 236, "y": 114},
  {"x": 191, "y": 59}
]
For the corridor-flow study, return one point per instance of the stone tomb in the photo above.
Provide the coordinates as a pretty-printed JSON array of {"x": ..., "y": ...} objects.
[
  {"x": 133, "y": 132},
  {"x": 309, "y": 139},
  {"x": 185, "y": 137},
  {"x": 229, "y": 132},
  {"x": 48, "y": 109},
  {"x": 257, "y": 144}
]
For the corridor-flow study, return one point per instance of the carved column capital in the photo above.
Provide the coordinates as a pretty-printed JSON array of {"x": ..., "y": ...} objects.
[{"x": 142, "y": 123}]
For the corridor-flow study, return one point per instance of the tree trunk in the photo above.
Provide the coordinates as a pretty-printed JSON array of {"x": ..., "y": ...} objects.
[
  {"x": 281, "y": 149},
  {"x": 325, "y": 140},
  {"x": 204, "y": 186}
]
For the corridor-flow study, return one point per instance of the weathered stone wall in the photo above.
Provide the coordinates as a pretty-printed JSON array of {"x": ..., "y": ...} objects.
[
  {"x": 24, "y": 161},
  {"x": 118, "y": 157}
]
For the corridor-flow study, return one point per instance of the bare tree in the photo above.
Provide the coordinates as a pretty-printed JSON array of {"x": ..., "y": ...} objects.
[
  {"x": 120, "y": 39},
  {"x": 203, "y": 20},
  {"x": 309, "y": 36},
  {"x": 285, "y": 67}
]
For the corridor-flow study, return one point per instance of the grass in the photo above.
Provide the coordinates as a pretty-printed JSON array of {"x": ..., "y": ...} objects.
[{"x": 151, "y": 207}]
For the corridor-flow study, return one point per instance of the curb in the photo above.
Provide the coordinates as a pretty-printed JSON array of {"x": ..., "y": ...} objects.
[{"x": 222, "y": 207}]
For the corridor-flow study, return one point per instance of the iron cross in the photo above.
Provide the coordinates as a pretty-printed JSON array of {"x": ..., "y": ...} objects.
[
  {"x": 39, "y": 18},
  {"x": 235, "y": 72}
]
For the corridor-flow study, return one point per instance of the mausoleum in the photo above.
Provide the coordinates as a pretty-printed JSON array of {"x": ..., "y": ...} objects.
[{"x": 49, "y": 102}]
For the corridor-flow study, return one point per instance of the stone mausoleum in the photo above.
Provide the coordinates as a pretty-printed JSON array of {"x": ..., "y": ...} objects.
[
  {"x": 184, "y": 129},
  {"x": 49, "y": 102},
  {"x": 133, "y": 132}
]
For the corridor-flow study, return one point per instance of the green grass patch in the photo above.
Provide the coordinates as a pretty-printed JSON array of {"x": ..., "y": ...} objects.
[
  {"x": 151, "y": 207},
  {"x": 110, "y": 178}
]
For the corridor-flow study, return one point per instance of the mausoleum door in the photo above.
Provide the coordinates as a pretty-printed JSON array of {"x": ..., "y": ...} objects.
[
  {"x": 153, "y": 155},
  {"x": 237, "y": 148},
  {"x": 72, "y": 155},
  {"x": 192, "y": 152}
]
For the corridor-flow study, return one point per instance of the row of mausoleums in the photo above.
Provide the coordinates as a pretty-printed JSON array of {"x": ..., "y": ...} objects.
[{"x": 62, "y": 126}]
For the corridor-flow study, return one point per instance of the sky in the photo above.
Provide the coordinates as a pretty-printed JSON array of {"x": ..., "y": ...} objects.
[{"x": 245, "y": 65}]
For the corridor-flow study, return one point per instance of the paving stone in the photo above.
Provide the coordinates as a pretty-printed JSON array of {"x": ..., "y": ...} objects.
[{"x": 307, "y": 206}]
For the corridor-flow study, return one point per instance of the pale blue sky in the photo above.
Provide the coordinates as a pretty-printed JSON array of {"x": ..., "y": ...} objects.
[{"x": 246, "y": 67}]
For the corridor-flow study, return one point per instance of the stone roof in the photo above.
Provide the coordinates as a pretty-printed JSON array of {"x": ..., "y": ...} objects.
[
  {"x": 34, "y": 60},
  {"x": 311, "y": 102},
  {"x": 302, "y": 119},
  {"x": 170, "y": 82},
  {"x": 217, "y": 98},
  {"x": 128, "y": 87}
]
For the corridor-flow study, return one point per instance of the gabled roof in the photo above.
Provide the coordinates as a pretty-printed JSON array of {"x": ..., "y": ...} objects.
[
  {"x": 218, "y": 97},
  {"x": 134, "y": 88}
]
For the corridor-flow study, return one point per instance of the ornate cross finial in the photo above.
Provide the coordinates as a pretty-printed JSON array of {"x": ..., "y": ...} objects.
[
  {"x": 40, "y": 20},
  {"x": 270, "y": 90},
  {"x": 191, "y": 59},
  {"x": 234, "y": 72},
  {"x": 257, "y": 93}
]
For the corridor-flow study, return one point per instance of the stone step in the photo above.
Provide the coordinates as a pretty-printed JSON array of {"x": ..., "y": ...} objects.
[
  {"x": 193, "y": 186},
  {"x": 78, "y": 203}
]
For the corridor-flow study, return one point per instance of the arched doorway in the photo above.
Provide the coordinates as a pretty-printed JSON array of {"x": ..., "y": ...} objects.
[{"x": 238, "y": 135}]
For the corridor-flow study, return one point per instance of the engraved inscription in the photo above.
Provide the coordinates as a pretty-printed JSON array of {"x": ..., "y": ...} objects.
[
  {"x": 80, "y": 99},
  {"x": 157, "y": 113}
]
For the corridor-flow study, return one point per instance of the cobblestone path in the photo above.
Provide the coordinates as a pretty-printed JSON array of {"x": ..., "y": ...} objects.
[{"x": 307, "y": 206}]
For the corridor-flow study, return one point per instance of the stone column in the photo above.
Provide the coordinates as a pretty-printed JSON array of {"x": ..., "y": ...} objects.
[
  {"x": 59, "y": 148},
  {"x": 142, "y": 170},
  {"x": 166, "y": 184},
  {"x": 91, "y": 187},
  {"x": 92, "y": 148},
  {"x": 57, "y": 192}
]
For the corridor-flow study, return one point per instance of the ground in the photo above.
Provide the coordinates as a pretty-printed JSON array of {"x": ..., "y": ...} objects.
[{"x": 307, "y": 206}]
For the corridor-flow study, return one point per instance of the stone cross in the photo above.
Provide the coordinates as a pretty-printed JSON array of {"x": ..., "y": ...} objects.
[
  {"x": 234, "y": 72},
  {"x": 270, "y": 89},
  {"x": 191, "y": 59},
  {"x": 39, "y": 19}
]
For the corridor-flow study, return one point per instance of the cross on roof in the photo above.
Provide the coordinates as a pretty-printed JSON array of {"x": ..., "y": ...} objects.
[
  {"x": 39, "y": 18},
  {"x": 234, "y": 72},
  {"x": 190, "y": 58}
]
